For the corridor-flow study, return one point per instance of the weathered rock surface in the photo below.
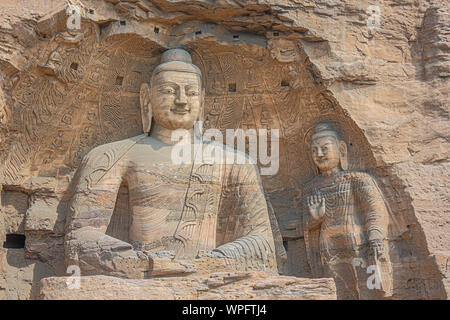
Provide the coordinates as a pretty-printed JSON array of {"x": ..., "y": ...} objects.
[
  {"x": 216, "y": 286},
  {"x": 19, "y": 276}
]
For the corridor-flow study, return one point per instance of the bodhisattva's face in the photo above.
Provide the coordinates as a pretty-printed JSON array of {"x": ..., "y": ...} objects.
[
  {"x": 325, "y": 153},
  {"x": 176, "y": 99}
]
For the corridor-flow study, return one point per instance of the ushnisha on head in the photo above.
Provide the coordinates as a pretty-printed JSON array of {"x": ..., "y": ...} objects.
[
  {"x": 328, "y": 149},
  {"x": 175, "y": 96}
]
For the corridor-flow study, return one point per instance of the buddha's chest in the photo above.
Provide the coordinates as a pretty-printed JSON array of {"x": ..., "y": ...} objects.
[
  {"x": 174, "y": 206},
  {"x": 175, "y": 189},
  {"x": 338, "y": 197}
]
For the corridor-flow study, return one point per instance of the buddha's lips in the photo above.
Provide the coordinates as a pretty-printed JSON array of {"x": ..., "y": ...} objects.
[{"x": 180, "y": 110}]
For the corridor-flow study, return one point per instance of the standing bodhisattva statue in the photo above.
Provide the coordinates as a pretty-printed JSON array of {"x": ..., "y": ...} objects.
[
  {"x": 181, "y": 214},
  {"x": 345, "y": 221}
]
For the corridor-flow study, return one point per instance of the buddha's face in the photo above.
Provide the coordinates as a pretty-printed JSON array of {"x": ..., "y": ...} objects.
[
  {"x": 176, "y": 99},
  {"x": 325, "y": 153}
]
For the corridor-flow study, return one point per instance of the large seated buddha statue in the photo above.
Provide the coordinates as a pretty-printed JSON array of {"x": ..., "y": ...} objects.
[{"x": 182, "y": 214}]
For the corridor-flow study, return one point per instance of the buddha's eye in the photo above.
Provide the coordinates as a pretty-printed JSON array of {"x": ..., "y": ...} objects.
[
  {"x": 167, "y": 90},
  {"x": 192, "y": 92}
]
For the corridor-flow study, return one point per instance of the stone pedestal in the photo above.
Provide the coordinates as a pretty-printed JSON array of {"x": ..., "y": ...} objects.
[{"x": 215, "y": 286}]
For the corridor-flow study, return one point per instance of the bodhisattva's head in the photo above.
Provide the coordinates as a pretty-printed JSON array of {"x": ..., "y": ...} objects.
[
  {"x": 175, "y": 97},
  {"x": 328, "y": 150}
]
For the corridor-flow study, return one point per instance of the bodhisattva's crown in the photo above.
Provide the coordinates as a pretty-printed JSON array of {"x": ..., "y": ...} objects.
[{"x": 326, "y": 128}]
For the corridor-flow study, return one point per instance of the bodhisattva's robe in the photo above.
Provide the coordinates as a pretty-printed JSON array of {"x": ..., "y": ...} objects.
[
  {"x": 338, "y": 243},
  {"x": 181, "y": 208}
]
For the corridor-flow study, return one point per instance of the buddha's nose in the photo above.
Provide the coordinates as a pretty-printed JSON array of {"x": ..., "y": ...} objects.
[
  {"x": 181, "y": 99},
  {"x": 320, "y": 152}
]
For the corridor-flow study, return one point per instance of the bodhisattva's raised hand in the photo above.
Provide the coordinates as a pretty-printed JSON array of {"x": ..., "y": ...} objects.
[{"x": 316, "y": 206}]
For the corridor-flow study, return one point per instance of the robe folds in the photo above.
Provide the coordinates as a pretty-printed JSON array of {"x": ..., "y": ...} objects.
[{"x": 338, "y": 244}]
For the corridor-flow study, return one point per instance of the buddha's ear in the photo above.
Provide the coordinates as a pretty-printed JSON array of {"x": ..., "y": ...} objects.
[
  {"x": 202, "y": 106},
  {"x": 343, "y": 155},
  {"x": 203, "y": 97},
  {"x": 146, "y": 107}
]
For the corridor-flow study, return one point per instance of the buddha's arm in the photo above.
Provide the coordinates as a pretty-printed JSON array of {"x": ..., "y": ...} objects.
[
  {"x": 92, "y": 205},
  {"x": 372, "y": 205},
  {"x": 252, "y": 234}
]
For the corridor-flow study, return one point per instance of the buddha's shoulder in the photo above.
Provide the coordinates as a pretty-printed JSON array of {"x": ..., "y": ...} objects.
[
  {"x": 344, "y": 176},
  {"x": 112, "y": 151}
]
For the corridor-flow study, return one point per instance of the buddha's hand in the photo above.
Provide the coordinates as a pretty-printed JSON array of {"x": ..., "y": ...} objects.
[
  {"x": 164, "y": 263},
  {"x": 213, "y": 261},
  {"x": 377, "y": 246},
  {"x": 132, "y": 264},
  {"x": 210, "y": 254},
  {"x": 316, "y": 206}
]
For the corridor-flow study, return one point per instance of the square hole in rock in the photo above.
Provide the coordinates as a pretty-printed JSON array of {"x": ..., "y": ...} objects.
[
  {"x": 14, "y": 241},
  {"x": 119, "y": 81}
]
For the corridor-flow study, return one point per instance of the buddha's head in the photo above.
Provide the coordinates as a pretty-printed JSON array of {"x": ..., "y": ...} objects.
[
  {"x": 175, "y": 97},
  {"x": 328, "y": 149}
]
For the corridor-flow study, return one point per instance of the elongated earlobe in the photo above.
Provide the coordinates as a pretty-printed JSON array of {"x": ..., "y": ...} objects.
[
  {"x": 202, "y": 106},
  {"x": 343, "y": 155},
  {"x": 146, "y": 107},
  {"x": 202, "y": 110}
]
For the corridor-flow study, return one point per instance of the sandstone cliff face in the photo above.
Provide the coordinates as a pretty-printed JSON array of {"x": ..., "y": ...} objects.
[{"x": 382, "y": 71}]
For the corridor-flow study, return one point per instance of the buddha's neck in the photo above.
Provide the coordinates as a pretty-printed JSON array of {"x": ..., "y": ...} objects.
[
  {"x": 165, "y": 135},
  {"x": 330, "y": 172}
]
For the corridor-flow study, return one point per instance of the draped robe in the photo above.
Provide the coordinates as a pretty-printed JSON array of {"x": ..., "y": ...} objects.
[
  {"x": 183, "y": 208},
  {"x": 338, "y": 243}
]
